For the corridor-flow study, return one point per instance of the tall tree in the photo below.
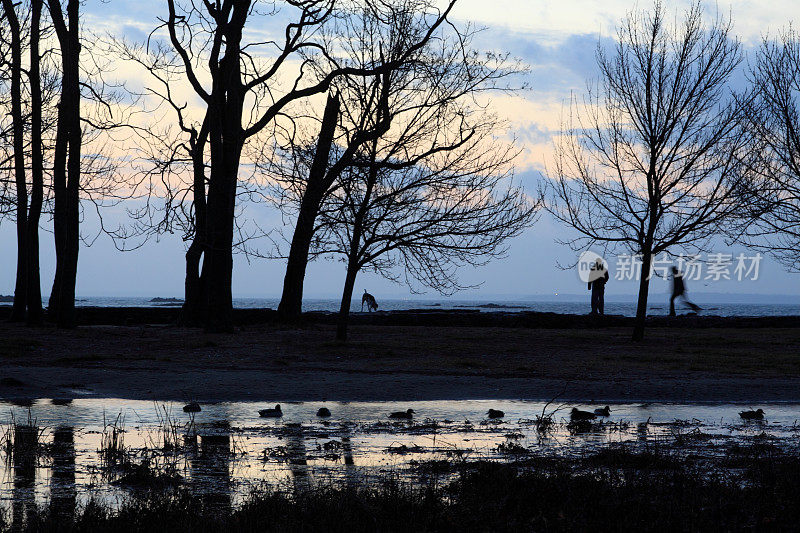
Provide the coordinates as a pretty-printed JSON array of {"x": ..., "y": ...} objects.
[
  {"x": 418, "y": 181},
  {"x": 651, "y": 162},
  {"x": 18, "y": 140},
  {"x": 242, "y": 85},
  {"x": 314, "y": 191},
  {"x": 34, "y": 287},
  {"x": 67, "y": 165},
  {"x": 417, "y": 90}
]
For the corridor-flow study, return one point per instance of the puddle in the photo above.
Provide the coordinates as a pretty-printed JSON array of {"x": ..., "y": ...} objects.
[{"x": 227, "y": 449}]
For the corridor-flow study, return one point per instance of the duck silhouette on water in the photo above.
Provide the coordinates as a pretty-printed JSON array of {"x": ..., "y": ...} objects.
[
  {"x": 605, "y": 411},
  {"x": 758, "y": 414},
  {"x": 324, "y": 412},
  {"x": 271, "y": 413},
  {"x": 576, "y": 415},
  {"x": 408, "y": 414},
  {"x": 192, "y": 407},
  {"x": 495, "y": 413}
]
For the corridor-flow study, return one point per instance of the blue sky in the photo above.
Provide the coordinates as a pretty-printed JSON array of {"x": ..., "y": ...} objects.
[{"x": 557, "y": 38}]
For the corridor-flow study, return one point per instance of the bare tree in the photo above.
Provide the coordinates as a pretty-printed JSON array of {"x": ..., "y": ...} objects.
[
  {"x": 246, "y": 86},
  {"x": 771, "y": 200},
  {"x": 88, "y": 112},
  {"x": 27, "y": 127},
  {"x": 427, "y": 195},
  {"x": 650, "y": 162},
  {"x": 18, "y": 140},
  {"x": 34, "y": 287},
  {"x": 67, "y": 165},
  {"x": 420, "y": 224},
  {"x": 418, "y": 109},
  {"x": 38, "y": 113}
]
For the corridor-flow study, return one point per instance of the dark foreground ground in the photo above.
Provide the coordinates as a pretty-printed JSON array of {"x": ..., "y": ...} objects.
[
  {"x": 752, "y": 489},
  {"x": 530, "y": 356}
]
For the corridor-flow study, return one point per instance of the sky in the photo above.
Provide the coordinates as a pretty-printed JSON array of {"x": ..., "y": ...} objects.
[{"x": 558, "y": 39}]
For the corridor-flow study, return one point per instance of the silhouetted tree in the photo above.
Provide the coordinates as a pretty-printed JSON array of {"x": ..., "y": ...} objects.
[
  {"x": 414, "y": 112},
  {"x": 25, "y": 106},
  {"x": 650, "y": 163},
  {"x": 34, "y": 286},
  {"x": 251, "y": 86},
  {"x": 18, "y": 141},
  {"x": 771, "y": 200},
  {"x": 67, "y": 164},
  {"x": 88, "y": 113},
  {"x": 426, "y": 195},
  {"x": 309, "y": 204}
]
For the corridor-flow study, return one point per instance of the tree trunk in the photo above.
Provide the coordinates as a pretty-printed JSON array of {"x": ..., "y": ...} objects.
[
  {"x": 347, "y": 298},
  {"x": 644, "y": 287},
  {"x": 18, "y": 129},
  {"x": 291, "y": 303},
  {"x": 34, "y": 290},
  {"x": 227, "y": 140},
  {"x": 193, "y": 309},
  {"x": 218, "y": 259},
  {"x": 192, "y": 312},
  {"x": 66, "y": 171},
  {"x": 354, "y": 254}
]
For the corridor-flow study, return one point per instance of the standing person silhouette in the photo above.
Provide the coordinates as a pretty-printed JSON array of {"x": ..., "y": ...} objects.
[
  {"x": 679, "y": 290},
  {"x": 598, "y": 287}
]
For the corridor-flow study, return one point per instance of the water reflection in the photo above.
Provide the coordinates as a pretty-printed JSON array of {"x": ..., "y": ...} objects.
[
  {"x": 227, "y": 448},
  {"x": 24, "y": 452},
  {"x": 297, "y": 457},
  {"x": 63, "y": 492},
  {"x": 210, "y": 468}
]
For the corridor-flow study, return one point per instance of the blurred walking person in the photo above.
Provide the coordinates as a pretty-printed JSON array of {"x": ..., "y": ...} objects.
[{"x": 679, "y": 291}]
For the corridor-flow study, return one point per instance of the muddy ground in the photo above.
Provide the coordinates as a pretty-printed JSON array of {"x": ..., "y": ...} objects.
[{"x": 383, "y": 362}]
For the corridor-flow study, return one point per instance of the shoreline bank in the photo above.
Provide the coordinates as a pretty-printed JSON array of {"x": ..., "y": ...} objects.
[{"x": 169, "y": 315}]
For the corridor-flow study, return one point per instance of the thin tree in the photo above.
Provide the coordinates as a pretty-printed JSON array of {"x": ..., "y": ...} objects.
[
  {"x": 651, "y": 161},
  {"x": 34, "y": 287},
  {"x": 18, "y": 142},
  {"x": 419, "y": 224},
  {"x": 771, "y": 200}
]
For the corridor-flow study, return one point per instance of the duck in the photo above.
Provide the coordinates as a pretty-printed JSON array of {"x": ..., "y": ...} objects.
[
  {"x": 271, "y": 413},
  {"x": 324, "y": 412},
  {"x": 61, "y": 401},
  {"x": 758, "y": 414},
  {"x": 408, "y": 414},
  {"x": 605, "y": 411},
  {"x": 577, "y": 415},
  {"x": 192, "y": 407},
  {"x": 494, "y": 413}
]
